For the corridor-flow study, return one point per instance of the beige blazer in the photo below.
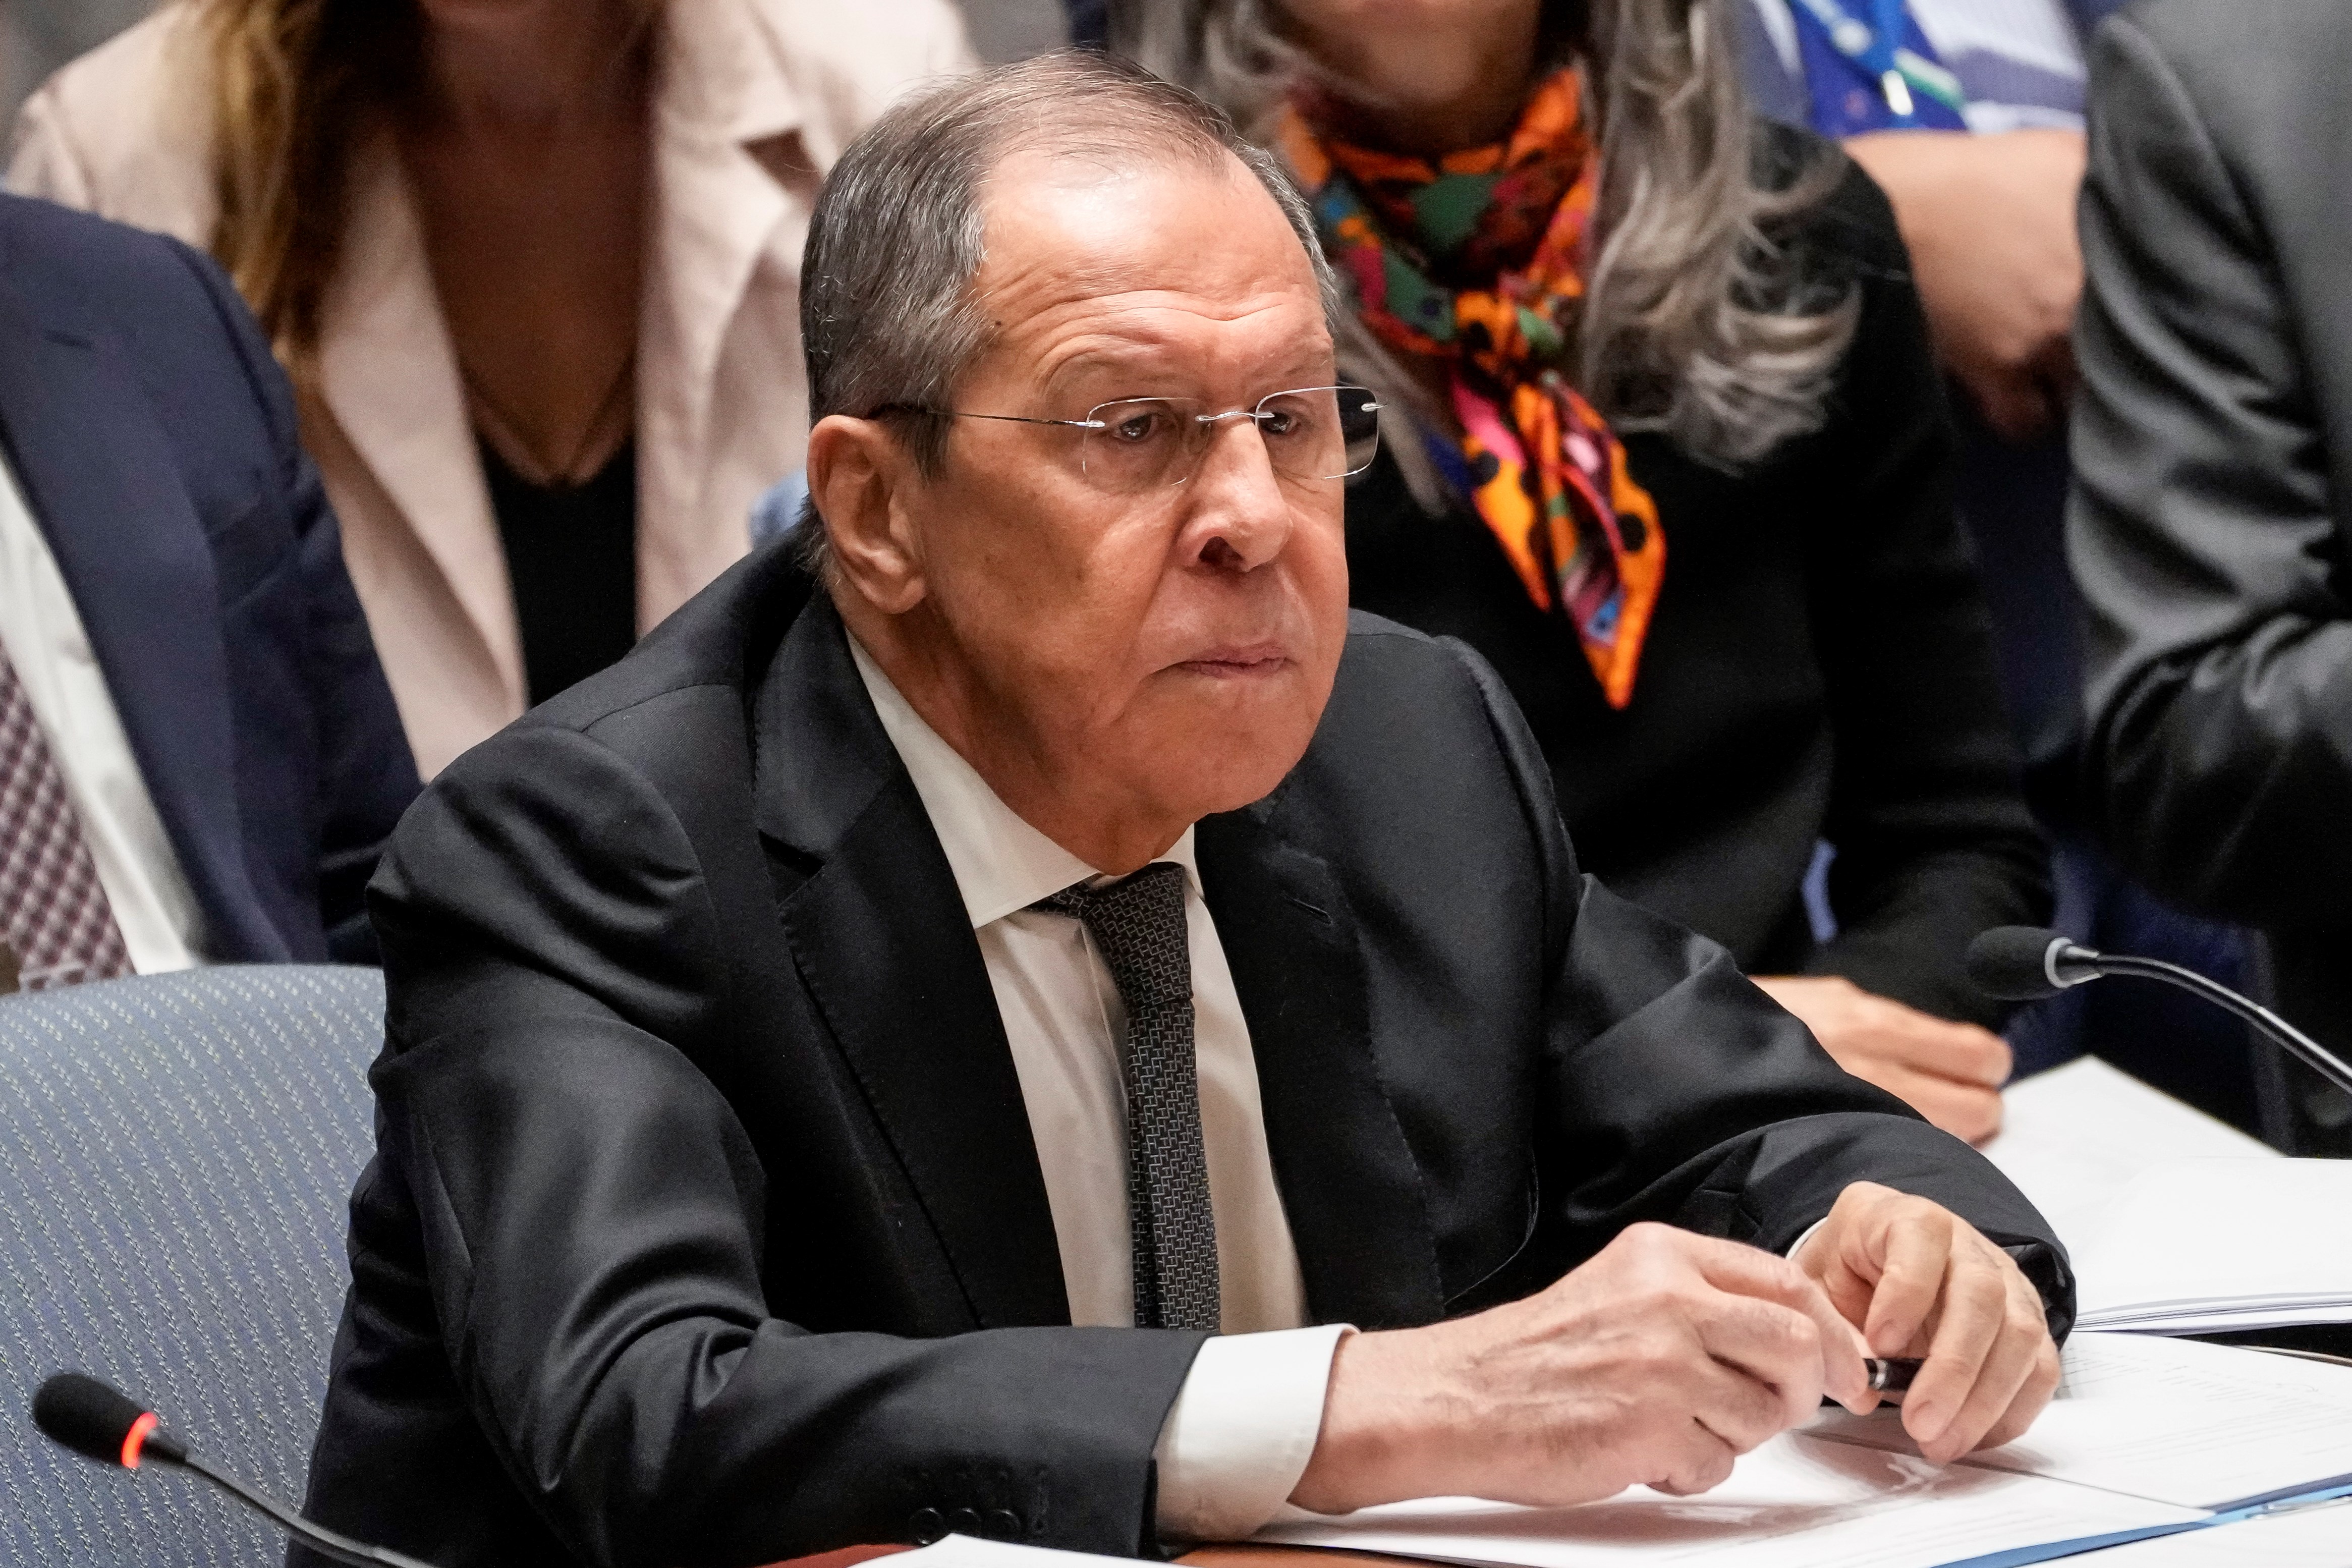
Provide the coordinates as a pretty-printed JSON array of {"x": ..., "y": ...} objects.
[{"x": 754, "y": 100}]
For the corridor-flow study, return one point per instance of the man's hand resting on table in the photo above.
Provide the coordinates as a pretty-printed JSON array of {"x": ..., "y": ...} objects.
[
  {"x": 1668, "y": 1355},
  {"x": 1950, "y": 1073},
  {"x": 1922, "y": 1282}
]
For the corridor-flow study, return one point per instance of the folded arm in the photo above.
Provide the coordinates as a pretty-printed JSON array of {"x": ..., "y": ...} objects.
[
  {"x": 1927, "y": 811},
  {"x": 1676, "y": 1093},
  {"x": 366, "y": 774},
  {"x": 2204, "y": 530}
]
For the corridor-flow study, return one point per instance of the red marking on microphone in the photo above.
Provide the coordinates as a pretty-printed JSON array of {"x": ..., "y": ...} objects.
[{"x": 136, "y": 1439}]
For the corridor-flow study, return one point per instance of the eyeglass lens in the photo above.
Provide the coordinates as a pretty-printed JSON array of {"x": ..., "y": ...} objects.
[{"x": 1311, "y": 434}]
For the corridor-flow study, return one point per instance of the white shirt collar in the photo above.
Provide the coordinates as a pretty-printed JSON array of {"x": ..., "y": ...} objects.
[{"x": 1001, "y": 864}]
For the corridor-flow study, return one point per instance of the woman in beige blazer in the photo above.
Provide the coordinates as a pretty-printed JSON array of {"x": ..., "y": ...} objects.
[{"x": 534, "y": 266}]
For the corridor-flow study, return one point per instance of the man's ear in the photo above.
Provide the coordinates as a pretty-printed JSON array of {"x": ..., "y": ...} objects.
[{"x": 861, "y": 478}]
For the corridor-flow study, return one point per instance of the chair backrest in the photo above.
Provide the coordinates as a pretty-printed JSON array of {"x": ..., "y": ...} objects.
[{"x": 176, "y": 1152}]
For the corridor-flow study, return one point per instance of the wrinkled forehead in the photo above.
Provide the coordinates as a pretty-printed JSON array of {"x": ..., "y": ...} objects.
[{"x": 1181, "y": 266}]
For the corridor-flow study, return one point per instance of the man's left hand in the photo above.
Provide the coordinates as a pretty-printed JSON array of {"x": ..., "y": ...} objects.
[{"x": 1918, "y": 1280}]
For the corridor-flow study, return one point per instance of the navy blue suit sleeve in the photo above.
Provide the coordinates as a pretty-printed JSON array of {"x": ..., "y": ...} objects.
[{"x": 367, "y": 774}]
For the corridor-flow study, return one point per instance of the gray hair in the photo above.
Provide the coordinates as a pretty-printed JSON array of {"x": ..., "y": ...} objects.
[
  {"x": 1697, "y": 319},
  {"x": 889, "y": 319}
]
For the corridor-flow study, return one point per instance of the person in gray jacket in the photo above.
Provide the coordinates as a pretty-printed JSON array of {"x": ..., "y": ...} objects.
[{"x": 2211, "y": 523}]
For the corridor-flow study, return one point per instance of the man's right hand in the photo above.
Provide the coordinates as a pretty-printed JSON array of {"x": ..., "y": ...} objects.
[{"x": 1658, "y": 1362}]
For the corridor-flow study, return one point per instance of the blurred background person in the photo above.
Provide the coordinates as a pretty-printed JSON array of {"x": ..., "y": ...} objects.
[
  {"x": 2212, "y": 513},
  {"x": 533, "y": 264},
  {"x": 36, "y": 37},
  {"x": 1968, "y": 113},
  {"x": 1672, "y": 451},
  {"x": 1007, "y": 30},
  {"x": 1977, "y": 138},
  {"x": 199, "y": 759}
]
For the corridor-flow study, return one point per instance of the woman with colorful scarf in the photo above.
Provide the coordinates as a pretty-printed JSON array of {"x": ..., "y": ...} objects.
[{"x": 1670, "y": 450}]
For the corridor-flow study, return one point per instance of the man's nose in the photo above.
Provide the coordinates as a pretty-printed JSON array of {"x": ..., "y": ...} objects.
[{"x": 1239, "y": 516}]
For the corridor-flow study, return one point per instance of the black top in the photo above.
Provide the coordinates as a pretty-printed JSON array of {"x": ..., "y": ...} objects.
[
  {"x": 705, "y": 1224},
  {"x": 571, "y": 556},
  {"x": 1819, "y": 667}
]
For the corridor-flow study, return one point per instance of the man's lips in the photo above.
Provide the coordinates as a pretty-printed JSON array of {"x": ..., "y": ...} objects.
[{"x": 1240, "y": 660}]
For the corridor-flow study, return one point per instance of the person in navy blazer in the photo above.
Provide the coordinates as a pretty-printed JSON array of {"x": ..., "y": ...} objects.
[{"x": 154, "y": 439}]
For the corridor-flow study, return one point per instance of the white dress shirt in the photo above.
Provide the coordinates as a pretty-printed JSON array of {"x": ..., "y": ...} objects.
[
  {"x": 1243, "y": 1427},
  {"x": 42, "y": 631}
]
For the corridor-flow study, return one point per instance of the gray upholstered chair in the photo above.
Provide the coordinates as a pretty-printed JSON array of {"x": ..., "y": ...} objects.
[{"x": 176, "y": 1156}]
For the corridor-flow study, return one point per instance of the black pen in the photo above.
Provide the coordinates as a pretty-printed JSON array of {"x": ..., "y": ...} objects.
[{"x": 1892, "y": 1374}]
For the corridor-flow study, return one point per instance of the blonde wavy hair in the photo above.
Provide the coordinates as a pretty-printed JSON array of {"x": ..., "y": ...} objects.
[
  {"x": 296, "y": 87},
  {"x": 1700, "y": 319}
]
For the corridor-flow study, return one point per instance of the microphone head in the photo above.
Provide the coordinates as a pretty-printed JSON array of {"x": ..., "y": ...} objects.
[
  {"x": 2012, "y": 962},
  {"x": 100, "y": 1422}
]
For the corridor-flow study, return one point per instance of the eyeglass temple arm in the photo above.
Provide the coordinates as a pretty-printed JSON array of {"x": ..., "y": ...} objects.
[
  {"x": 1250, "y": 414},
  {"x": 1009, "y": 418}
]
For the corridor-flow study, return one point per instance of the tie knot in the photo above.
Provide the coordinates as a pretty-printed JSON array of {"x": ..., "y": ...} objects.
[
  {"x": 1155, "y": 887},
  {"x": 1139, "y": 923}
]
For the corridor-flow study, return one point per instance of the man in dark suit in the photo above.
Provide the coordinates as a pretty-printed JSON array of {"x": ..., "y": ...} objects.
[
  {"x": 199, "y": 757},
  {"x": 845, "y": 1064},
  {"x": 1988, "y": 216},
  {"x": 2211, "y": 519}
]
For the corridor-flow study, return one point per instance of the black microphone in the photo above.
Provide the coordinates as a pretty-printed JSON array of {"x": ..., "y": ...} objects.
[
  {"x": 100, "y": 1423},
  {"x": 2025, "y": 964}
]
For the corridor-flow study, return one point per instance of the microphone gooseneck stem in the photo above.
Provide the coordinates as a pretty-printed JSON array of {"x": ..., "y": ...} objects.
[
  {"x": 318, "y": 1538},
  {"x": 2314, "y": 1054}
]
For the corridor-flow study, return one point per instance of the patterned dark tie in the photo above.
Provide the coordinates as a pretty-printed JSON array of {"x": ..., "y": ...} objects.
[
  {"x": 55, "y": 922},
  {"x": 1139, "y": 925}
]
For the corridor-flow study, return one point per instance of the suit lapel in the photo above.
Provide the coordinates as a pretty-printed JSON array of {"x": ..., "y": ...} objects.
[
  {"x": 881, "y": 940},
  {"x": 1350, "y": 1183},
  {"x": 104, "y": 486},
  {"x": 724, "y": 125},
  {"x": 388, "y": 373}
]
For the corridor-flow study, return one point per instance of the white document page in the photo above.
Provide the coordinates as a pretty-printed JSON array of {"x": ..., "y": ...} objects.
[
  {"x": 977, "y": 1551},
  {"x": 2073, "y": 1138},
  {"x": 1796, "y": 1502},
  {"x": 2195, "y": 1246},
  {"x": 2172, "y": 1421}
]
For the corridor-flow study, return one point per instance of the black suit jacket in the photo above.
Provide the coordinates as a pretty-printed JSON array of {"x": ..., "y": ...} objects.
[
  {"x": 154, "y": 439},
  {"x": 2211, "y": 521},
  {"x": 706, "y": 1226}
]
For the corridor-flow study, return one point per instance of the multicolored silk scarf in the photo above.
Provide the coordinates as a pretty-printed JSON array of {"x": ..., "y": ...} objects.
[{"x": 1477, "y": 258}]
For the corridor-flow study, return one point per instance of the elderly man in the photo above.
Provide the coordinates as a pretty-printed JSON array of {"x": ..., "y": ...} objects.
[{"x": 845, "y": 1063}]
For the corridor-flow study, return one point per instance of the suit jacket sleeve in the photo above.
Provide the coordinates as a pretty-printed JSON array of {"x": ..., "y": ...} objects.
[
  {"x": 1926, "y": 812},
  {"x": 592, "y": 1217},
  {"x": 366, "y": 774},
  {"x": 2200, "y": 527},
  {"x": 1676, "y": 1091}
]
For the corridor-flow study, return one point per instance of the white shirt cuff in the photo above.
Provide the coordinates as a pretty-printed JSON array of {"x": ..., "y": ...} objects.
[{"x": 1242, "y": 1429}]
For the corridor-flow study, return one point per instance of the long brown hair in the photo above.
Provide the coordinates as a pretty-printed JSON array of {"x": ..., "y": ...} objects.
[{"x": 296, "y": 85}]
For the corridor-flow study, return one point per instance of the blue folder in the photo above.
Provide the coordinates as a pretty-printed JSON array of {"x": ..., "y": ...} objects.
[{"x": 2325, "y": 1492}]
